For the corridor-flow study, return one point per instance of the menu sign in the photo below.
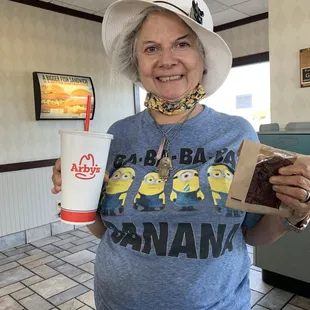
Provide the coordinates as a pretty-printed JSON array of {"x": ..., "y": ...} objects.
[
  {"x": 305, "y": 67},
  {"x": 306, "y": 75},
  {"x": 59, "y": 96}
]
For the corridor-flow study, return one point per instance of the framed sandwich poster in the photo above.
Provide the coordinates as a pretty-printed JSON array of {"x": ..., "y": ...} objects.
[
  {"x": 62, "y": 96},
  {"x": 305, "y": 67}
]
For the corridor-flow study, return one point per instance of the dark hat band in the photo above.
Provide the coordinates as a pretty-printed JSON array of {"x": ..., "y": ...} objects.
[{"x": 196, "y": 14}]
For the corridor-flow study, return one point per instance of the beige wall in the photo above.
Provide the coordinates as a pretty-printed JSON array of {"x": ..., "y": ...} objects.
[
  {"x": 33, "y": 39},
  {"x": 247, "y": 39},
  {"x": 289, "y": 31}
]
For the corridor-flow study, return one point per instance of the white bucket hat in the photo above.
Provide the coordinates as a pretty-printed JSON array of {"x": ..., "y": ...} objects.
[{"x": 195, "y": 14}]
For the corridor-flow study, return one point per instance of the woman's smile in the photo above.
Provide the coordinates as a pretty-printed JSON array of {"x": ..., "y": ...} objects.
[{"x": 172, "y": 78}]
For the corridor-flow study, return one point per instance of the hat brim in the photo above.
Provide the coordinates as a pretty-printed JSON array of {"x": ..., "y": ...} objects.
[{"x": 218, "y": 58}]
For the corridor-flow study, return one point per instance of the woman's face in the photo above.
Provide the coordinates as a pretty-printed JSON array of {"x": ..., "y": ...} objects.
[{"x": 169, "y": 63}]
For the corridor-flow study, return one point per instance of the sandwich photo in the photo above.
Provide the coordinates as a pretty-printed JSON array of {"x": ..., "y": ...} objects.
[{"x": 53, "y": 96}]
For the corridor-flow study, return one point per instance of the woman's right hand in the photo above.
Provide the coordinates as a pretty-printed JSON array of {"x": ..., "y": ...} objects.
[{"x": 56, "y": 177}]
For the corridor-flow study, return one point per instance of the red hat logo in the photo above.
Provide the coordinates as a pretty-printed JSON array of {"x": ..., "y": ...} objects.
[{"x": 86, "y": 168}]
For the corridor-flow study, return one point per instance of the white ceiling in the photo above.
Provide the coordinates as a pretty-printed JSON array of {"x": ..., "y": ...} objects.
[{"x": 223, "y": 11}]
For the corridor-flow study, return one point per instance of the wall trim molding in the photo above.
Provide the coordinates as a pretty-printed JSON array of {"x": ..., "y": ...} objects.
[
  {"x": 241, "y": 22},
  {"x": 96, "y": 18},
  {"x": 27, "y": 165},
  {"x": 61, "y": 9},
  {"x": 250, "y": 59}
]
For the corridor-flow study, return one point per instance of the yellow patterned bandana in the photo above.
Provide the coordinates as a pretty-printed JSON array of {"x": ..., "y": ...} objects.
[{"x": 175, "y": 107}]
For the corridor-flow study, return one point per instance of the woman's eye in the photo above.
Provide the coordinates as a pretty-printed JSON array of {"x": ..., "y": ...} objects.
[
  {"x": 183, "y": 45},
  {"x": 151, "y": 49}
]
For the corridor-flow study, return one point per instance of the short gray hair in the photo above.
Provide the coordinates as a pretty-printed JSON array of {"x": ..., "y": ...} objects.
[{"x": 124, "y": 55}]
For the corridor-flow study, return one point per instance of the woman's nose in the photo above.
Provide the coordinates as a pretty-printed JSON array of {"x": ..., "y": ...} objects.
[{"x": 167, "y": 59}]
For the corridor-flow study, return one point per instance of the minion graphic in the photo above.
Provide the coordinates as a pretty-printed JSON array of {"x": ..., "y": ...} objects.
[
  {"x": 151, "y": 196},
  {"x": 115, "y": 193},
  {"x": 220, "y": 178},
  {"x": 186, "y": 190}
]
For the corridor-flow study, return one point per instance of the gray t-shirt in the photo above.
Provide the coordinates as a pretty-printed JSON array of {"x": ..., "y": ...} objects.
[{"x": 173, "y": 245}]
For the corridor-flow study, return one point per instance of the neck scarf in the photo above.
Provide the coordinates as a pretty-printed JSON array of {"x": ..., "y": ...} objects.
[{"x": 155, "y": 103}]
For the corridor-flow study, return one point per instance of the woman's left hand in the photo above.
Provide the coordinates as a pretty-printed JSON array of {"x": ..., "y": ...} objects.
[{"x": 292, "y": 187}]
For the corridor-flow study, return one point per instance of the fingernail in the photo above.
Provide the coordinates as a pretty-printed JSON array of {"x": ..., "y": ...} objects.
[{"x": 271, "y": 180}]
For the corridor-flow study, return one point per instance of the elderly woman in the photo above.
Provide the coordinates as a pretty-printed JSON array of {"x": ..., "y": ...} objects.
[{"x": 167, "y": 239}]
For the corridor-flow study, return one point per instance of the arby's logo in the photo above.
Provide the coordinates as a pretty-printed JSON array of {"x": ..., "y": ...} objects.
[{"x": 86, "y": 169}]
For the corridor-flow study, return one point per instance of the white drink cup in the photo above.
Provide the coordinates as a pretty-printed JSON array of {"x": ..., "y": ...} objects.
[{"x": 84, "y": 157}]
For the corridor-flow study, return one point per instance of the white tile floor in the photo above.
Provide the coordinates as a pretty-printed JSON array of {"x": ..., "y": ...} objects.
[{"x": 57, "y": 273}]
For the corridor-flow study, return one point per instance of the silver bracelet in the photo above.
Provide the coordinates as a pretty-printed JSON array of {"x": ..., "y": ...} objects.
[{"x": 299, "y": 226}]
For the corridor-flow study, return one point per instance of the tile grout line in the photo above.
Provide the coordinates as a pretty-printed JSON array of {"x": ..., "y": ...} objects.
[
  {"x": 258, "y": 299},
  {"x": 252, "y": 289},
  {"x": 288, "y": 303},
  {"x": 57, "y": 258},
  {"x": 35, "y": 283},
  {"x": 46, "y": 299},
  {"x": 5, "y": 256},
  {"x": 264, "y": 295},
  {"x": 17, "y": 300},
  {"x": 55, "y": 275}
]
